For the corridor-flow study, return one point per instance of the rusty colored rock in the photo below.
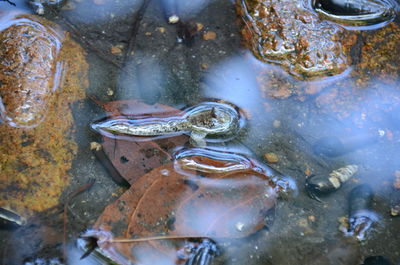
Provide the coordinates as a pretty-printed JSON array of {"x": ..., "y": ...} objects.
[
  {"x": 36, "y": 147},
  {"x": 286, "y": 33},
  {"x": 29, "y": 69},
  {"x": 209, "y": 35},
  {"x": 271, "y": 157}
]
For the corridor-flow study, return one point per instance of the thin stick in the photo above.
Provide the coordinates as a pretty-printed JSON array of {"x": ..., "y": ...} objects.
[
  {"x": 143, "y": 239},
  {"x": 134, "y": 31},
  {"x": 72, "y": 195},
  {"x": 8, "y": 1}
]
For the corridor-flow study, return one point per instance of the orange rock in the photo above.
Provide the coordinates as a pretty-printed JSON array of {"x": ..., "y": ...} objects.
[
  {"x": 209, "y": 35},
  {"x": 35, "y": 156}
]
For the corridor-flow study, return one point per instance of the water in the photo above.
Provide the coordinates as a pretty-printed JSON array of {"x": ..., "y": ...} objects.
[{"x": 175, "y": 66}]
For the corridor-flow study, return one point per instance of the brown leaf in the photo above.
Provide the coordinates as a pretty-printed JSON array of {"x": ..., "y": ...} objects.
[{"x": 177, "y": 206}]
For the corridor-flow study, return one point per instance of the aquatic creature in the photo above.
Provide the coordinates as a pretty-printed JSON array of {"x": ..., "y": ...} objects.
[
  {"x": 322, "y": 185},
  {"x": 285, "y": 32},
  {"x": 203, "y": 122},
  {"x": 361, "y": 218},
  {"x": 40, "y": 7},
  {"x": 357, "y": 12},
  {"x": 376, "y": 260}
]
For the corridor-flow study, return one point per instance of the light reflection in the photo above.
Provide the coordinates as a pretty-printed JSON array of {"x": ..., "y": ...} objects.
[
  {"x": 233, "y": 80},
  {"x": 100, "y": 11},
  {"x": 184, "y": 9}
]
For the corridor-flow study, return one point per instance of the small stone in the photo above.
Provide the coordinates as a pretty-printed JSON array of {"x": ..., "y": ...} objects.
[
  {"x": 311, "y": 218},
  {"x": 204, "y": 66},
  {"x": 161, "y": 30},
  {"x": 199, "y": 26},
  {"x": 95, "y": 146},
  {"x": 173, "y": 19},
  {"x": 395, "y": 210},
  {"x": 277, "y": 123},
  {"x": 302, "y": 222},
  {"x": 343, "y": 221},
  {"x": 116, "y": 50},
  {"x": 239, "y": 226},
  {"x": 271, "y": 158},
  {"x": 209, "y": 35},
  {"x": 148, "y": 33},
  {"x": 110, "y": 92}
]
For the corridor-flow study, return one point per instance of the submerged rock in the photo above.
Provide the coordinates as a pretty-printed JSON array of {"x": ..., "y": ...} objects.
[
  {"x": 42, "y": 71},
  {"x": 29, "y": 70},
  {"x": 286, "y": 33}
]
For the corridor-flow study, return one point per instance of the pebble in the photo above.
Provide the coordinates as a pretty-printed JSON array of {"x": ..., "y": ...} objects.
[
  {"x": 110, "y": 92},
  {"x": 95, "y": 146},
  {"x": 271, "y": 158},
  {"x": 199, "y": 26},
  {"x": 204, "y": 66},
  {"x": 116, "y": 50},
  {"x": 276, "y": 123},
  {"x": 161, "y": 30},
  {"x": 209, "y": 35}
]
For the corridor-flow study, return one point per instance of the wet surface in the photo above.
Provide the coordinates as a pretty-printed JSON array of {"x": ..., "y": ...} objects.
[{"x": 133, "y": 53}]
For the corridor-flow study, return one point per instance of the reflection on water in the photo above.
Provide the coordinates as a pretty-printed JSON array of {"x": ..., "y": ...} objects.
[{"x": 220, "y": 203}]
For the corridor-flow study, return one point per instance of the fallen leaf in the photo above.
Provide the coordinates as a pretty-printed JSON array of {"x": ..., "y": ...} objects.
[{"x": 165, "y": 208}]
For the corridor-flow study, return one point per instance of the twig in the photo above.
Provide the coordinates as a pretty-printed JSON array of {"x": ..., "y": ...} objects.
[
  {"x": 134, "y": 31},
  {"x": 8, "y": 1},
  {"x": 143, "y": 239},
  {"x": 72, "y": 195}
]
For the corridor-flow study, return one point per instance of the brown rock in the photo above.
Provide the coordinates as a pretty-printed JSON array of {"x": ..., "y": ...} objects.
[
  {"x": 36, "y": 147},
  {"x": 271, "y": 158},
  {"x": 209, "y": 35}
]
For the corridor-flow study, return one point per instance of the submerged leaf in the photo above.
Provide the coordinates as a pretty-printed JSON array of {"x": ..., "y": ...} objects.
[{"x": 175, "y": 207}]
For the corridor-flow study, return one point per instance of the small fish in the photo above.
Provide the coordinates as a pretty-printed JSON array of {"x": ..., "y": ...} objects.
[{"x": 322, "y": 185}]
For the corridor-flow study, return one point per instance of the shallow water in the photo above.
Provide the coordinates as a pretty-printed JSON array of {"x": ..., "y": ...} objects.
[{"x": 284, "y": 116}]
